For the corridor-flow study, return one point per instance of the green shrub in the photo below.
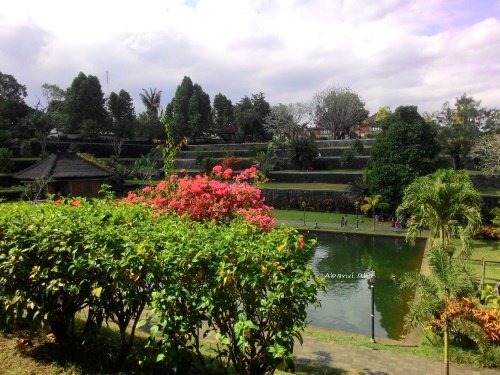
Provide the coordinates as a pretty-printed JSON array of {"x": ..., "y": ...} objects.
[
  {"x": 347, "y": 158},
  {"x": 357, "y": 146},
  {"x": 302, "y": 152},
  {"x": 251, "y": 286},
  {"x": 207, "y": 164}
]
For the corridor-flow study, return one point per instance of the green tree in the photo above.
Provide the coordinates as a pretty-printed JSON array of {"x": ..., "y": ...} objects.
[
  {"x": 250, "y": 116},
  {"x": 372, "y": 203},
  {"x": 151, "y": 100},
  {"x": 84, "y": 106},
  {"x": 338, "y": 109},
  {"x": 190, "y": 110},
  {"x": 123, "y": 123},
  {"x": 222, "y": 112},
  {"x": 461, "y": 125},
  {"x": 149, "y": 125},
  {"x": 383, "y": 113},
  {"x": 13, "y": 109},
  {"x": 445, "y": 202},
  {"x": 405, "y": 149},
  {"x": 449, "y": 279}
]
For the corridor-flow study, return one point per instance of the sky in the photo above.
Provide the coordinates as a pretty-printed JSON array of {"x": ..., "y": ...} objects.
[{"x": 390, "y": 52}]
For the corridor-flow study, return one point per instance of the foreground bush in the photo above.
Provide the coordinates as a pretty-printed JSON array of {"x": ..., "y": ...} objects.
[{"x": 249, "y": 285}]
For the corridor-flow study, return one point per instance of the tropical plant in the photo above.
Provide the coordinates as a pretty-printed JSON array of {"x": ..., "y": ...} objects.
[
  {"x": 151, "y": 100},
  {"x": 449, "y": 279},
  {"x": 445, "y": 202},
  {"x": 302, "y": 152},
  {"x": 372, "y": 203},
  {"x": 145, "y": 168}
]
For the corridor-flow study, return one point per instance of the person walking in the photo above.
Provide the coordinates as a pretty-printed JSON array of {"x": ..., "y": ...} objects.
[
  {"x": 342, "y": 222},
  {"x": 345, "y": 220}
]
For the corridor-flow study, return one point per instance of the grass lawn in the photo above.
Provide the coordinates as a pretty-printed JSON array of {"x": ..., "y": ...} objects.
[
  {"x": 331, "y": 221},
  {"x": 490, "y": 251}
]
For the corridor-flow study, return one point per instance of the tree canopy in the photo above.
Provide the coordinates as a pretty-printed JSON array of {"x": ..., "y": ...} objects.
[
  {"x": 151, "y": 99},
  {"x": 222, "y": 112},
  {"x": 13, "y": 109},
  {"x": 405, "y": 149},
  {"x": 461, "y": 126},
  {"x": 84, "y": 106},
  {"x": 123, "y": 121},
  {"x": 250, "y": 116},
  {"x": 190, "y": 110},
  {"x": 338, "y": 109}
]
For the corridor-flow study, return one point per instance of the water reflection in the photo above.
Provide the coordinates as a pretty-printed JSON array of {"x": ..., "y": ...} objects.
[{"x": 345, "y": 260}]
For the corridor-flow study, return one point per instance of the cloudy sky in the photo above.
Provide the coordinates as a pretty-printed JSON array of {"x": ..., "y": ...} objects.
[{"x": 391, "y": 52}]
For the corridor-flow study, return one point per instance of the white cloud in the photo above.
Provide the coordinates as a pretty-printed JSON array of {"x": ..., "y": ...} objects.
[{"x": 392, "y": 52}]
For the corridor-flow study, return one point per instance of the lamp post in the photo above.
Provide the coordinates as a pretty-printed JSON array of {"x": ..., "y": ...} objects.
[
  {"x": 357, "y": 221},
  {"x": 371, "y": 285}
]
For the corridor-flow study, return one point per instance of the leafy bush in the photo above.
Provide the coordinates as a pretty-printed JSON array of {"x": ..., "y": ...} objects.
[
  {"x": 253, "y": 297},
  {"x": 251, "y": 285},
  {"x": 357, "y": 146},
  {"x": 347, "y": 158},
  {"x": 302, "y": 152}
]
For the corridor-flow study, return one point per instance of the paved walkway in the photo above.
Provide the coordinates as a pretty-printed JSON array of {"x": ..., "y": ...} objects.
[{"x": 332, "y": 358}]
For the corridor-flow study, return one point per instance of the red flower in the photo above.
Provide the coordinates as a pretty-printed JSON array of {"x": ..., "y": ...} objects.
[{"x": 76, "y": 203}]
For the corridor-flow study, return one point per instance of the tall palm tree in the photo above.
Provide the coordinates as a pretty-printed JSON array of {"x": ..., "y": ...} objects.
[
  {"x": 151, "y": 99},
  {"x": 372, "y": 203},
  {"x": 445, "y": 202},
  {"x": 450, "y": 279}
]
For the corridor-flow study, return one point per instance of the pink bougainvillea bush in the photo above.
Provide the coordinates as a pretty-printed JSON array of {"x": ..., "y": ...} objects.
[{"x": 219, "y": 197}]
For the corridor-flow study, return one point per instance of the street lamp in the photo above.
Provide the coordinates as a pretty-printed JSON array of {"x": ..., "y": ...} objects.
[
  {"x": 357, "y": 220},
  {"x": 371, "y": 285}
]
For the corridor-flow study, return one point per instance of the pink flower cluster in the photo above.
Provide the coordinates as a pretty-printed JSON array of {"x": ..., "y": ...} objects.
[{"x": 207, "y": 198}]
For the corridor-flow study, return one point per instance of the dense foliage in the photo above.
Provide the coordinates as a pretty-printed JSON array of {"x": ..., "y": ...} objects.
[
  {"x": 114, "y": 258},
  {"x": 405, "y": 149},
  {"x": 302, "y": 152},
  {"x": 338, "y": 109}
]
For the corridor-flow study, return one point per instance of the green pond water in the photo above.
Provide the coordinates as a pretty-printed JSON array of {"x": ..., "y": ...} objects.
[{"x": 344, "y": 260}]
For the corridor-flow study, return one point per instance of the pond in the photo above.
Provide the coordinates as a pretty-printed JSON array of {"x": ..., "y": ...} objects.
[{"x": 344, "y": 260}]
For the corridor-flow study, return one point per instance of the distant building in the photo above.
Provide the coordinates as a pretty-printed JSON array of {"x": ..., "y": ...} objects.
[
  {"x": 367, "y": 126},
  {"x": 318, "y": 131},
  {"x": 71, "y": 175}
]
